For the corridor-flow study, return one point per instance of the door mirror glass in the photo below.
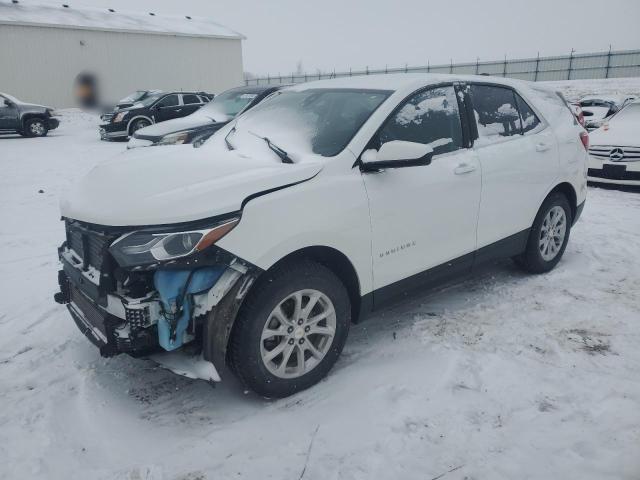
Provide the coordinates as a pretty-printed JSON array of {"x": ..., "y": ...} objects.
[
  {"x": 397, "y": 154},
  {"x": 7, "y": 103}
]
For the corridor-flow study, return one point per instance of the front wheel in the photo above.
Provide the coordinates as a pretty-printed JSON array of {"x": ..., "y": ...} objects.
[
  {"x": 35, "y": 127},
  {"x": 548, "y": 236},
  {"x": 291, "y": 329},
  {"x": 138, "y": 124}
]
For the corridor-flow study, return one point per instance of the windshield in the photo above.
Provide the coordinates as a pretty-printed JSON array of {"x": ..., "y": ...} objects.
[
  {"x": 134, "y": 97},
  {"x": 631, "y": 113},
  {"x": 228, "y": 104},
  {"x": 596, "y": 103},
  {"x": 149, "y": 100},
  {"x": 10, "y": 97},
  {"x": 321, "y": 121}
]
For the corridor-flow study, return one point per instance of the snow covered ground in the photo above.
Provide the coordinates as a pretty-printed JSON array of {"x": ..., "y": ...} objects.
[{"x": 501, "y": 376}]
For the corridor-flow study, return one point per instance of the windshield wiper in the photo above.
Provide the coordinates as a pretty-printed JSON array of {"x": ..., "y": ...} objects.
[{"x": 284, "y": 156}]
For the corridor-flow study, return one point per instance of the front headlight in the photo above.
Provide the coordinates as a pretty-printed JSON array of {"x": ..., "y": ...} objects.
[
  {"x": 119, "y": 117},
  {"x": 142, "y": 248},
  {"x": 174, "y": 139}
]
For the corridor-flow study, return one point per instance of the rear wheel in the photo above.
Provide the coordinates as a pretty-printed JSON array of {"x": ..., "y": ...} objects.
[
  {"x": 35, "y": 127},
  {"x": 291, "y": 329},
  {"x": 548, "y": 237}
]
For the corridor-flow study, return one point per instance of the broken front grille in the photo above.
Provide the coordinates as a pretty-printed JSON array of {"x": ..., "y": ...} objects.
[{"x": 88, "y": 244}]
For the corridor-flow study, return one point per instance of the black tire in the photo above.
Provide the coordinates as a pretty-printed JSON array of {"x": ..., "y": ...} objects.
[
  {"x": 531, "y": 260},
  {"x": 272, "y": 288},
  {"x": 138, "y": 124},
  {"x": 35, "y": 127}
]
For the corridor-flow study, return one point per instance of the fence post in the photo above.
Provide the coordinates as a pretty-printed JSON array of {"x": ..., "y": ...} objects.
[
  {"x": 535, "y": 78},
  {"x": 451, "y": 65},
  {"x": 428, "y": 67},
  {"x": 477, "y": 65},
  {"x": 367, "y": 69},
  {"x": 386, "y": 69},
  {"x": 406, "y": 68},
  {"x": 606, "y": 72},
  {"x": 570, "y": 64},
  {"x": 350, "y": 71},
  {"x": 504, "y": 70}
]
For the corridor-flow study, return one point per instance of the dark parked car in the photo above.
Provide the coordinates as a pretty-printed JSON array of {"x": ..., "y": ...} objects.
[
  {"x": 27, "y": 119},
  {"x": 199, "y": 126},
  {"x": 154, "y": 108}
]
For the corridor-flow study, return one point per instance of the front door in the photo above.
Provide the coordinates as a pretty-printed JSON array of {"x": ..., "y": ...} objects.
[
  {"x": 519, "y": 160},
  {"x": 424, "y": 217},
  {"x": 8, "y": 114}
]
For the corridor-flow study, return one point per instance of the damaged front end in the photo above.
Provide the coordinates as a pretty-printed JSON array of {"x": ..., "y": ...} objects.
[{"x": 159, "y": 289}]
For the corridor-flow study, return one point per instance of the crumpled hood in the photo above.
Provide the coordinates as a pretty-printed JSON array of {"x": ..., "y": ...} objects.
[
  {"x": 150, "y": 186},
  {"x": 194, "y": 120},
  {"x": 622, "y": 134}
]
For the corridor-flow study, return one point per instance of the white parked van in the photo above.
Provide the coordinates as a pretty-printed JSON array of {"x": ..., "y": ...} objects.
[{"x": 324, "y": 202}]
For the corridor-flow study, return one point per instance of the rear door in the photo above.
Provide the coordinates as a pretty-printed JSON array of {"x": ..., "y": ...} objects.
[
  {"x": 519, "y": 159},
  {"x": 424, "y": 216},
  {"x": 168, "y": 107},
  {"x": 190, "y": 103}
]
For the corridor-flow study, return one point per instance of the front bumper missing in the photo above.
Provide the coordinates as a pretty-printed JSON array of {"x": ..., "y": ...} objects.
[{"x": 118, "y": 324}]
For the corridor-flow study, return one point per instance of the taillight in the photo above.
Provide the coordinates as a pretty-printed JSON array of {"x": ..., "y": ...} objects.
[{"x": 584, "y": 138}]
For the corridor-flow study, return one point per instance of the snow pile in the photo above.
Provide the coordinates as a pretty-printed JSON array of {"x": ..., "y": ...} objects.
[
  {"x": 501, "y": 376},
  {"x": 574, "y": 90}
]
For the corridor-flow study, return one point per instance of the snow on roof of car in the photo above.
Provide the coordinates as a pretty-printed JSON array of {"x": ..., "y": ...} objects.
[
  {"x": 17, "y": 12},
  {"x": 397, "y": 81}
]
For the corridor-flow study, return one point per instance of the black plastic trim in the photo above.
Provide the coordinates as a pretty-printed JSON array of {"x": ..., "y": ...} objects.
[{"x": 441, "y": 274}]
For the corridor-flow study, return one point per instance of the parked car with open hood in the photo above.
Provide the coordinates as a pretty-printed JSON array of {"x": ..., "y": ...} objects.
[
  {"x": 199, "y": 126},
  {"x": 614, "y": 152},
  {"x": 153, "y": 108},
  {"x": 323, "y": 202},
  {"x": 597, "y": 108},
  {"x": 27, "y": 119}
]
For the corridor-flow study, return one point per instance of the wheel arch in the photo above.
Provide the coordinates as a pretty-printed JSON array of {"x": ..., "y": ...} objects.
[
  {"x": 339, "y": 264},
  {"x": 138, "y": 117},
  {"x": 568, "y": 191},
  {"x": 30, "y": 116}
]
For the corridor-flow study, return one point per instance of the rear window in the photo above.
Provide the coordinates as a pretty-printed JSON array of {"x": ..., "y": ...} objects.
[
  {"x": 190, "y": 99},
  {"x": 501, "y": 112}
]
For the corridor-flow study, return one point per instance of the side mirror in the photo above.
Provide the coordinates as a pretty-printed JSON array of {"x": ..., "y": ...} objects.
[
  {"x": 8, "y": 103},
  {"x": 396, "y": 154}
]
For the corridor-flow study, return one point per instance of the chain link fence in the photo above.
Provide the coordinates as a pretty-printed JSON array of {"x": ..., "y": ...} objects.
[{"x": 611, "y": 64}]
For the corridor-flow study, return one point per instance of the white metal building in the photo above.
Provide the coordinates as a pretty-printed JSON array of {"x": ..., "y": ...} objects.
[{"x": 43, "y": 48}]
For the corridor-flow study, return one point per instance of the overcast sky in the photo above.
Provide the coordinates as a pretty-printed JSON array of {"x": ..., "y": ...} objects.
[{"x": 338, "y": 34}]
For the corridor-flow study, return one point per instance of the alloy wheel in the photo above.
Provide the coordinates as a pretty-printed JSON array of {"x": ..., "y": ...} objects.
[
  {"x": 552, "y": 233},
  {"x": 298, "y": 333}
]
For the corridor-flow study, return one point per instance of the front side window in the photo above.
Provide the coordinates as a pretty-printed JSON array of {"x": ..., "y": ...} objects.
[
  {"x": 496, "y": 113},
  {"x": 429, "y": 117},
  {"x": 190, "y": 99},
  {"x": 169, "y": 101},
  {"x": 321, "y": 121}
]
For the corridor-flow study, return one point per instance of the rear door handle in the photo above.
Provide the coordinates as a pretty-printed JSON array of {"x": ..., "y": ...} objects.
[
  {"x": 542, "y": 147},
  {"x": 464, "y": 168}
]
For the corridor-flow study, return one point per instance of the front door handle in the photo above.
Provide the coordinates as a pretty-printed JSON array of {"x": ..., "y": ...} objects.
[
  {"x": 542, "y": 147},
  {"x": 464, "y": 168}
]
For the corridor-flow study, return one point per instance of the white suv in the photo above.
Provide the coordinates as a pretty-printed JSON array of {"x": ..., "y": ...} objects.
[{"x": 324, "y": 202}]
